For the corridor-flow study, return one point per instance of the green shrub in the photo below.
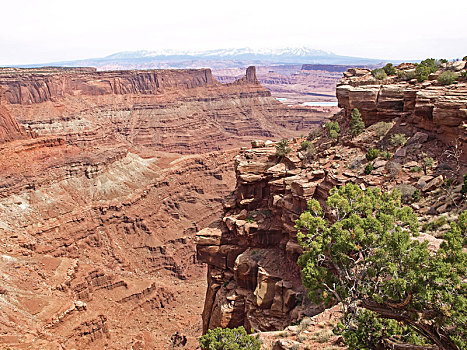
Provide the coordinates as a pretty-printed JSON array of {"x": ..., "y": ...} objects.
[
  {"x": 447, "y": 78},
  {"x": 464, "y": 186},
  {"x": 443, "y": 60},
  {"x": 333, "y": 129},
  {"x": 407, "y": 74},
  {"x": 229, "y": 339},
  {"x": 386, "y": 155},
  {"x": 391, "y": 285},
  {"x": 465, "y": 58},
  {"x": 314, "y": 134},
  {"x": 305, "y": 145},
  {"x": 425, "y": 68},
  {"x": 368, "y": 169},
  {"x": 389, "y": 69},
  {"x": 464, "y": 73},
  {"x": 434, "y": 224},
  {"x": 282, "y": 148},
  {"x": 356, "y": 123},
  {"x": 415, "y": 169},
  {"x": 372, "y": 154},
  {"x": 380, "y": 128},
  {"x": 398, "y": 139},
  {"x": 379, "y": 74},
  {"x": 416, "y": 196},
  {"x": 427, "y": 164}
]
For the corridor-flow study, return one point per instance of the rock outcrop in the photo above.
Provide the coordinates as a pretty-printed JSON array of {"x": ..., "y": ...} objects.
[
  {"x": 182, "y": 111},
  {"x": 430, "y": 106},
  {"x": 9, "y": 128}
]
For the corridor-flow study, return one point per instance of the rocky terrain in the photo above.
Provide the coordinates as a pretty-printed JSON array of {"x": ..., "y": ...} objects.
[
  {"x": 251, "y": 252},
  {"x": 105, "y": 178}
]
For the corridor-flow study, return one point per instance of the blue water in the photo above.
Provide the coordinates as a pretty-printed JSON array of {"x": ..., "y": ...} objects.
[{"x": 320, "y": 104}]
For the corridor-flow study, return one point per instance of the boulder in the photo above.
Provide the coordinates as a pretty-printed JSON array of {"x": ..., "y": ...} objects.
[
  {"x": 265, "y": 289},
  {"x": 434, "y": 184}
]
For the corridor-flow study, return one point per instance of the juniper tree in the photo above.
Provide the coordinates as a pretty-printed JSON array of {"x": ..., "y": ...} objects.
[
  {"x": 356, "y": 123},
  {"x": 393, "y": 289},
  {"x": 228, "y": 339}
]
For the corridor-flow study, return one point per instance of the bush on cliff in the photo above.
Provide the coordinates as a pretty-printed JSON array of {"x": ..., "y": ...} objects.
[
  {"x": 356, "y": 123},
  {"x": 425, "y": 68},
  {"x": 379, "y": 74},
  {"x": 372, "y": 154},
  {"x": 282, "y": 148},
  {"x": 229, "y": 339},
  {"x": 389, "y": 69},
  {"x": 333, "y": 129},
  {"x": 447, "y": 78},
  {"x": 392, "y": 288}
]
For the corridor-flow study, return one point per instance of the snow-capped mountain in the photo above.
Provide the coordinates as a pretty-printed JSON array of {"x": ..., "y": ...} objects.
[{"x": 288, "y": 52}]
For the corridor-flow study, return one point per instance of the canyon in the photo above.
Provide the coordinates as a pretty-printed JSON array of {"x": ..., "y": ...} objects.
[
  {"x": 105, "y": 179},
  {"x": 251, "y": 252}
]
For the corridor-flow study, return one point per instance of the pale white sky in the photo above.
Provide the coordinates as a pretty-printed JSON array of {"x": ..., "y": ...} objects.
[{"x": 35, "y": 31}]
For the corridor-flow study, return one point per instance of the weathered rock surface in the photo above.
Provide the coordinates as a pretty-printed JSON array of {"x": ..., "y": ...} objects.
[{"x": 439, "y": 110}]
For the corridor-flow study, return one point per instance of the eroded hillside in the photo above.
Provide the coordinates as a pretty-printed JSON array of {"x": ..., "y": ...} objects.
[{"x": 104, "y": 179}]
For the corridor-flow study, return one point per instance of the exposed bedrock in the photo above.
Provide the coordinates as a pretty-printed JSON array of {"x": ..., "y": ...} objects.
[
  {"x": 438, "y": 109},
  {"x": 183, "y": 111}
]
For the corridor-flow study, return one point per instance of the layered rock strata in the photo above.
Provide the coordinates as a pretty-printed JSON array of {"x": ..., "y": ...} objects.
[{"x": 428, "y": 105}]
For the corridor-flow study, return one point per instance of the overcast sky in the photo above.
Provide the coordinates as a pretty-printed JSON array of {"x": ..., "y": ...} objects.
[{"x": 37, "y": 31}]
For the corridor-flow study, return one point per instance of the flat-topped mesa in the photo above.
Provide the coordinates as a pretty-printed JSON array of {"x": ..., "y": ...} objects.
[
  {"x": 438, "y": 109},
  {"x": 27, "y": 86},
  {"x": 9, "y": 127}
]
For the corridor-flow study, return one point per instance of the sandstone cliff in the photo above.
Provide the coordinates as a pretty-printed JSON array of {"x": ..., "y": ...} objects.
[
  {"x": 9, "y": 128},
  {"x": 434, "y": 108},
  {"x": 100, "y": 201},
  {"x": 253, "y": 278}
]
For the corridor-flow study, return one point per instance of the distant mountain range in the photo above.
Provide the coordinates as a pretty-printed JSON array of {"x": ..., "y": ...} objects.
[{"x": 222, "y": 58}]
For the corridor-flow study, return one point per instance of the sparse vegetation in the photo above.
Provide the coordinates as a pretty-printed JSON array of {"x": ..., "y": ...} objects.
[
  {"x": 381, "y": 128},
  {"x": 368, "y": 169},
  {"x": 389, "y": 69},
  {"x": 305, "y": 145},
  {"x": 415, "y": 169},
  {"x": 372, "y": 154},
  {"x": 407, "y": 74},
  {"x": 398, "y": 139},
  {"x": 356, "y": 123},
  {"x": 447, "y": 78},
  {"x": 379, "y": 74},
  {"x": 386, "y": 155},
  {"x": 314, "y": 134},
  {"x": 282, "y": 148},
  {"x": 427, "y": 164},
  {"x": 392, "y": 287},
  {"x": 425, "y": 68},
  {"x": 434, "y": 224},
  {"x": 464, "y": 186},
  {"x": 333, "y": 129},
  {"x": 229, "y": 339}
]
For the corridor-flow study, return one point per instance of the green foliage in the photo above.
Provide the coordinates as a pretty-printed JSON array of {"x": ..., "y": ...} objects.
[
  {"x": 366, "y": 258},
  {"x": 416, "y": 196},
  {"x": 305, "y": 145},
  {"x": 447, "y": 78},
  {"x": 314, "y": 134},
  {"x": 368, "y": 169},
  {"x": 407, "y": 74},
  {"x": 282, "y": 148},
  {"x": 379, "y": 74},
  {"x": 381, "y": 128},
  {"x": 434, "y": 224},
  {"x": 389, "y": 69},
  {"x": 415, "y": 169},
  {"x": 386, "y": 155},
  {"x": 464, "y": 186},
  {"x": 425, "y": 68},
  {"x": 333, "y": 129},
  {"x": 398, "y": 139},
  {"x": 229, "y": 339},
  {"x": 443, "y": 60},
  {"x": 372, "y": 154},
  {"x": 427, "y": 164},
  {"x": 464, "y": 73},
  {"x": 356, "y": 123},
  {"x": 465, "y": 58}
]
